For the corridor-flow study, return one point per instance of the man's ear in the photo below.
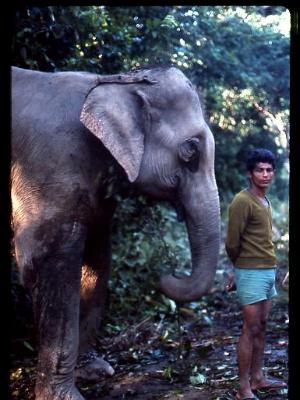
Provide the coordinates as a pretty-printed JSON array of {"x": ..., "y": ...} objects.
[{"x": 249, "y": 177}]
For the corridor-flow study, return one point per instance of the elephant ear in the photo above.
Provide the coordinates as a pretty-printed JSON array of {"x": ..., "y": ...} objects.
[{"x": 113, "y": 113}]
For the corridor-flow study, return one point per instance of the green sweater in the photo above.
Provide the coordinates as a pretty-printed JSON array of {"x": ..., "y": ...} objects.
[{"x": 249, "y": 234}]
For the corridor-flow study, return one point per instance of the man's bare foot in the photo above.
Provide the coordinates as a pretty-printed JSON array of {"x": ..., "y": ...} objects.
[
  {"x": 268, "y": 383},
  {"x": 245, "y": 396}
]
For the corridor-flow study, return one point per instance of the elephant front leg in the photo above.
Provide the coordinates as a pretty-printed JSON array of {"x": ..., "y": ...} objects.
[
  {"x": 94, "y": 280},
  {"x": 55, "y": 284}
]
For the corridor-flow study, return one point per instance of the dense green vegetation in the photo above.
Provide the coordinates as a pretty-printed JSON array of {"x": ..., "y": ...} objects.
[{"x": 237, "y": 57}]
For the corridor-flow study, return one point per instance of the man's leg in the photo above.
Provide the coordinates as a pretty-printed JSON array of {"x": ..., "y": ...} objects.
[
  {"x": 250, "y": 332},
  {"x": 257, "y": 378},
  {"x": 257, "y": 375}
]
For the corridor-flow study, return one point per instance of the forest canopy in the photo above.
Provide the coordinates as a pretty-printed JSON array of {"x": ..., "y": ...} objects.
[{"x": 238, "y": 58}]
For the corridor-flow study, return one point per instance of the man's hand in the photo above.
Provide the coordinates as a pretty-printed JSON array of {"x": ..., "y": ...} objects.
[{"x": 231, "y": 282}]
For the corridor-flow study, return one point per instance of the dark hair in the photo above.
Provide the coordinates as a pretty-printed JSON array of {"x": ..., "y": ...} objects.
[{"x": 259, "y": 155}]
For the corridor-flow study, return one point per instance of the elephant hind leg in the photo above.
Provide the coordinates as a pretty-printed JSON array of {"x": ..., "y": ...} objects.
[
  {"x": 93, "y": 293},
  {"x": 94, "y": 280}
]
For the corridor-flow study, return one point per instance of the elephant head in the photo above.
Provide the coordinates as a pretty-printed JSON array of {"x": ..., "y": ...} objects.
[{"x": 152, "y": 123}]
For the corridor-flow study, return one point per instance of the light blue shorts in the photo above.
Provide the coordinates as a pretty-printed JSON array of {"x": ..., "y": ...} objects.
[{"x": 255, "y": 284}]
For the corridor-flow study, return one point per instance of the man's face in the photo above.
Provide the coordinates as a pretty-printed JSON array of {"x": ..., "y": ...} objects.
[{"x": 262, "y": 175}]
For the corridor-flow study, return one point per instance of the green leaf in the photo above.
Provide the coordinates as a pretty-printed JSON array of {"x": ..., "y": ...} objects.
[
  {"x": 198, "y": 379},
  {"x": 169, "y": 21},
  {"x": 28, "y": 345}
]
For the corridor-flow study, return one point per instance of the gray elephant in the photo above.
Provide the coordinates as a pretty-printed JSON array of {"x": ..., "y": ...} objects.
[{"x": 71, "y": 133}]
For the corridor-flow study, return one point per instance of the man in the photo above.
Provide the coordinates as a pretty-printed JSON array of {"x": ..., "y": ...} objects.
[{"x": 250, "y": 248}]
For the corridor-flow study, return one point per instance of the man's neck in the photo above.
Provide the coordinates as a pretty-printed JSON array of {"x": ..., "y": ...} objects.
[{"x": 259, "y": 192}]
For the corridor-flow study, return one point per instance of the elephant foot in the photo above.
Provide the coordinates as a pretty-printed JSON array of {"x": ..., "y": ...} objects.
[
  {"x": 60, "y": 393},
  {"x": 69, "y": 395},
  {"x": 94, "y": 369}
]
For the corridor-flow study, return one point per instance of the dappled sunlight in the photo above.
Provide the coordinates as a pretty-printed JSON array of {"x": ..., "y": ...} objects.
[
  {"x": 23, "y": 196},
  {"x": 89, "y": 280}
]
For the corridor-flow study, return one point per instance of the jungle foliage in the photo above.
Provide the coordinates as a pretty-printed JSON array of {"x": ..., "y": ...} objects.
[{"x": 237, "y": 57}]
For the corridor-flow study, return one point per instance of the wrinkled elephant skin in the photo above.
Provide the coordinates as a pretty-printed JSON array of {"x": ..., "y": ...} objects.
[{"x": 77, "y": 139}]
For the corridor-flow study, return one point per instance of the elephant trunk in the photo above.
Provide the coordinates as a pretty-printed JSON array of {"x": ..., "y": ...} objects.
[{"x": 203, "y": 225}]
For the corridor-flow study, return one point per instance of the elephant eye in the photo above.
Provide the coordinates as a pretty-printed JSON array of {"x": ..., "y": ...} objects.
[{"x": 189, "y": 153}]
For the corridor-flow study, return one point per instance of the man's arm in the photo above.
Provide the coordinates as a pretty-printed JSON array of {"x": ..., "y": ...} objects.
[{"x": 238, "y": 213}]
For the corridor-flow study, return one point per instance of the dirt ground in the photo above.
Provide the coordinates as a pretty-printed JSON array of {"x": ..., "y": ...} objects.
[{"x": 183, "y": 356}]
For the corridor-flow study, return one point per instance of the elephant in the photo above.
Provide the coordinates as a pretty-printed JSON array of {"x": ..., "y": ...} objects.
[{"x": 74, "y": 135}]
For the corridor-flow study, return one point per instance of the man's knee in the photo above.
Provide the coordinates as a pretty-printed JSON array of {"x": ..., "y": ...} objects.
[{"x": 254, "y": 330}]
